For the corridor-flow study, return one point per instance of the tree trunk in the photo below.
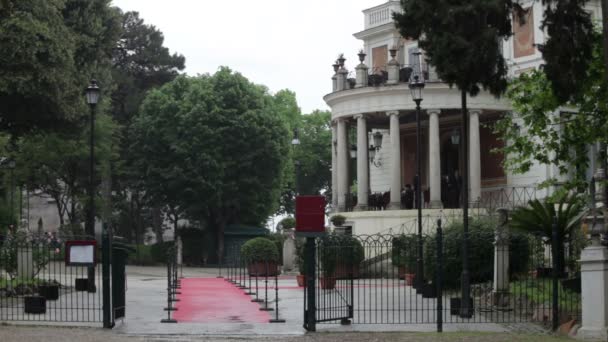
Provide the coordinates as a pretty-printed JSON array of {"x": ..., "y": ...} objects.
[
  {"x": 221, "y": 225},
  {"x": 157, "y": 224}
]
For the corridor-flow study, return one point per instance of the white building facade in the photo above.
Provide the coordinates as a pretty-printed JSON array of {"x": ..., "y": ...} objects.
[{"x": 374, "y": 130}]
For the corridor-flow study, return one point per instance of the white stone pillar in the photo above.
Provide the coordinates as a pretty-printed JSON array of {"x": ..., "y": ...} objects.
[
  {"x": 361, "y": 70},
  {"x": 434, "y": 159},
  {"x": 341, "y": 80},
  {"x": 25, "y": 262},
  {"x": 334, "y": 165},
  {"x": 594, "y": 283},
  {"x": 180, "y": 250},
  {"x": 474, "y": 157},
  {"x": 289, "y": 250},
  {"x": 362, "y": 163},
  {"x": 500, "y": 291},
  {"x": 343, "y": 156},
  {"x": 395, "y": 189},
  {"x": 393, "y": 71}
]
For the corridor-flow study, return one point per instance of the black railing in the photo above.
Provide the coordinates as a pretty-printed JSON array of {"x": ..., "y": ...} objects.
[
  {"x": 256, "y": 279},
  {"x": 491, "y": 198},
  {"x": 36, "y": 283},
  {"x": 370, "y": 279},
  {"x": 173, "y": 284}
]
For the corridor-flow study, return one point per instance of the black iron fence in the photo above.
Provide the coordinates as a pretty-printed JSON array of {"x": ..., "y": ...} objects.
[
  {"x": 36, "y": 284},
  {"x": 515, "y": 277}
]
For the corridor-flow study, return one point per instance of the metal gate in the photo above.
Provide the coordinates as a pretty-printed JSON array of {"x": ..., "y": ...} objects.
[{"x": 376, "y": 279}]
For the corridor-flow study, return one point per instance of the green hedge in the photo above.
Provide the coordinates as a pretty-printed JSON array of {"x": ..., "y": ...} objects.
[
  {"x": 339, "y": 249},
  {"x": 480, "y": 251},
  {"x": 158, "y": 251},
  {"x": 260, "y": 249},
  {"x": 403, "y": 253}
]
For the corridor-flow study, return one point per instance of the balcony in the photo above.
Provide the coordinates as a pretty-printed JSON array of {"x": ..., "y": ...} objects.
[{"x": 380, "y": 15}]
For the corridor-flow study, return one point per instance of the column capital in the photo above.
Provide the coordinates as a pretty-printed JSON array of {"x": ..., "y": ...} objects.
[
  {"x": 358, "y": 116},
  {"x": 429, "y": 112},
  {"x": 392, "y": 112}
]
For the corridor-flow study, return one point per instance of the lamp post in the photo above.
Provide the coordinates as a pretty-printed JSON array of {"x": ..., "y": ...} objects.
[
  {"x": 92, "y": 93},
  {"x": 416, "y": 86},
  {"x": 11, "y": 166},
  {"x": 295, "y": 142}
]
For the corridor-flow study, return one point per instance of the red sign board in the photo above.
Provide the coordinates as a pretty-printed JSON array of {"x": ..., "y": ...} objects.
[{"x": 310, "y": 215}]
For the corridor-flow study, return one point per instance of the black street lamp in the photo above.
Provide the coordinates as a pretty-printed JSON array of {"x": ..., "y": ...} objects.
[
  {"x": 92, "y": 96},
  {"x": 416, "y": 86},
  {"x": 295, "y": 142}
]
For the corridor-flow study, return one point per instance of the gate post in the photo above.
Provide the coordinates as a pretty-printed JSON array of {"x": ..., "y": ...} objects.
[
  {"x": 310, "y": 314},
  {"x": 555, "y": 275},
  {"x": 439, "y": 277},
  {"x": 106, "y": 250}
]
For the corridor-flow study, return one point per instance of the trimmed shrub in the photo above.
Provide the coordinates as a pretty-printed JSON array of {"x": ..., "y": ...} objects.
[
  {"x": 260, "y": 249},
  {"x": 141, "y": 255},
  {"x": 403, "y": 253},
  {"x": 339, "y": 250},
  {"x": 158, "y": 251},
  {"x": 480, "y": 252},
  {"x": 278, "y": 239},
  {"x": 288, "y": 223},
  {"x": 338, "y": 220}
]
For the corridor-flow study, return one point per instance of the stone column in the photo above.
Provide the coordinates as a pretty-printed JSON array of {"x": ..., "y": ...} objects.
[
  {"x": 361, "y": 70},
  {"x": 474, "y": 157},
  {"x": 395, "y": 189},
  {"x": 594, "y": 283},
  {"x": 362, "y": 163},
  {"x": 25, "y": 262},
  {"x": 342, "y": 164},
  {"x": 180, "y": 250},
  {"x": 434, "y": 159},
  {"x": 500, "y": 292},
  {"x": 341, "y": 79},
  {"x": 334, "y": 165}
]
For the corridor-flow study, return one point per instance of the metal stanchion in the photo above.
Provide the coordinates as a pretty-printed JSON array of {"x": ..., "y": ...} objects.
[
  {"x": 170, "y": 294},
  {"x": 276, "y": 300},
  {"x": 257, "y": 275},
  {"x": 266, "y": 307}
]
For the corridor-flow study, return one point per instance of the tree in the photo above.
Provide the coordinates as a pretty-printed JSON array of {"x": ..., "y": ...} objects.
[
  {"x": 563, "y": 131},
  {"x": 57, "y": 164},
  {"x": 462, "y": 40},
  {"x": 213, "y": 149},
  {"x": 140, "y": 63}
]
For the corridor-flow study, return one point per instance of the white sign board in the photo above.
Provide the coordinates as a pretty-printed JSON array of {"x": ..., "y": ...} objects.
[{"x": 84, "y": 254}]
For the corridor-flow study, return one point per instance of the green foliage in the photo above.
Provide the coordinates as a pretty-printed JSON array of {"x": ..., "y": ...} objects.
[
  {"x": 336, "y": 250},
  {"x": 56, "y": 48},
  {"x": 403, "y": 253},
  {"x": 301, "y": 255},
  {"x": 260, "y": 249},
  {"x": 141, "y": 255},
  {"x": 567, "y": 23},
  {"x": 540, "y": 291},
  {"x": 481, "y": 252},
  {"x": 278, "y": 239},
  {"x": 159, "y": 251},
  {"x": 337, "y": 220},
  {"x": 230, "y": 167},
  {"x": 538, "y": 218},
  {"x": 462, "y": 39},
  {"x": 42, "y": 254},
  {"x": 562, "y": 134},
  {"x": 288, "y": 223}
]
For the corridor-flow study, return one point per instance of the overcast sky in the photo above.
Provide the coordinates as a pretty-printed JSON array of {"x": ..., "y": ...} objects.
[{"x": 279, "y": 43}]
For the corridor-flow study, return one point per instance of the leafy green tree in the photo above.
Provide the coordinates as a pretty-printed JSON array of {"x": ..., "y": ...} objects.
[
  {"x": 213, "y": 149},
  {"x": 563, "y": 130},
  {"x": 538, "y": 218},
  {"x": 140, "y": 63},
  {"x": 57, "y": 164}
]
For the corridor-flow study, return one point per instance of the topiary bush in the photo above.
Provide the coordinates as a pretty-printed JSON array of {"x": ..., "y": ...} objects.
[
  {"x": 480, "y": 252},
  {"x": 288, "y": 223},
  {"x": 278, "y": 239},
  {"x": 260, "y": 249},
  {"x": 403, "y": 253},
  {"x": 337, "y": 250}
]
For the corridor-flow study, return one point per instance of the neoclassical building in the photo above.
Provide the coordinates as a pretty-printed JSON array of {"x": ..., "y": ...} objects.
[{"x": 374, "y": 129}]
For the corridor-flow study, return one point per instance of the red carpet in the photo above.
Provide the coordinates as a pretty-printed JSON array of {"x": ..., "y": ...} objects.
[{"x": 213, "y": 300}]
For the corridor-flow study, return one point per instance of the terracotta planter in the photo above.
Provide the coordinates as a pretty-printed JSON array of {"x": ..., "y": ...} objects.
[
  {"x": 301, "y": 280},
  {"x": 259, "y": 269},
  {"x": 409, "y": 279},
  {"x": 328, "y": 283}
]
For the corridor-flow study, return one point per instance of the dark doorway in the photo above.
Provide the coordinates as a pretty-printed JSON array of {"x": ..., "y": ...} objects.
[{"x": 450, "y": 174}]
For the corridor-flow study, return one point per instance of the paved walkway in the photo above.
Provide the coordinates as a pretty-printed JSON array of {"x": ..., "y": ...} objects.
[{"x": 213, "y": 300}]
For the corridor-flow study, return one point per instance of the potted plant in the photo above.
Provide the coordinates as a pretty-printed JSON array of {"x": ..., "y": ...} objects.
[
  {"x": 261, "y": 256},
  {"x": 301, "y": 261},
  {"x": 337, "y": 220},
  {"x": 328, "y": 253},
  {"x": 403, "y": 256},
  {"x": 49, "y": 290},
  {"x": 350, "y": 254}
]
